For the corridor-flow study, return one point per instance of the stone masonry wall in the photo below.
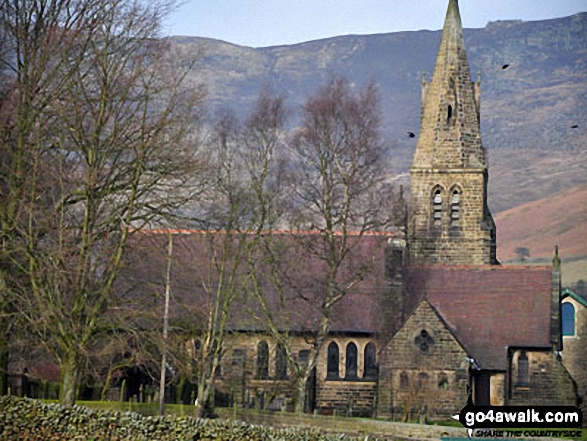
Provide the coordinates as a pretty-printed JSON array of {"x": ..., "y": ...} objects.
[
  {"x": 549, "y": 382},
  {"x": 423, "y": 370},
  {"x": 240, "y": 385},
  {"x": 472, "y": 241}
]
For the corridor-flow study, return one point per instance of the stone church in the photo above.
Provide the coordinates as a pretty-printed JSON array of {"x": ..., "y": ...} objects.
[{"x": 438, "y": 318}]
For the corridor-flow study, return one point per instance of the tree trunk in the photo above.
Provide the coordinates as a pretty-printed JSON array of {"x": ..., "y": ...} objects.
[
  {"x": 4, "y": 335},
  {"x": 70, "y": 372},
  {"x": 3, "y": 357},
  {"x": 205, "y": 400},
  {"x": 300, "y": 394}
]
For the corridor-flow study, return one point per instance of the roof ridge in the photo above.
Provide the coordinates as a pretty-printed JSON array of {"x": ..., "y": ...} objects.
[
  {"x": 509, "y": 267},
  {"x": 276, "y": 232}
]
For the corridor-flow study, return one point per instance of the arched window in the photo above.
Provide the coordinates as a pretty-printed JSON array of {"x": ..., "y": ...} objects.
[
  {"x": 280, "y": 362},
  {"x": 443, "y": 381},
  {"x": 332, "y": 361},
  {"x": 522, "y": 370},
  {"x": 197, "y": 348},
  {"x": 262, "y": 360},
  {"x": 449, "y": 114},
  {"x": 455, "y": 207},
  {"x": 351, "y": 361},
  {"x": 437, "y": 207},
  {"x": 568, "y": 318},
  {"x": 369, "y": 362}
]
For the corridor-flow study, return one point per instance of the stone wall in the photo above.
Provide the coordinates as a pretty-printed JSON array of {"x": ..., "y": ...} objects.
[
  {"x": 497, "y": 389},
  {"x": 425, "y": 370},
  {"x": 351, "y": 398},
  {"x": 472, "y": 241},
  {"x": 239, "y": 382},
  {"x": 548, "y": 381}
]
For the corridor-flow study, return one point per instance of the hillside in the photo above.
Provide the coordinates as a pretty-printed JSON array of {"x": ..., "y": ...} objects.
[
  {"x": 559, "y": 219},
  {"x": 527, "y": 109}
]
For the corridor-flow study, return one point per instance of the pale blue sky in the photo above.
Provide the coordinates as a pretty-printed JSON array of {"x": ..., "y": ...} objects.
[{"x": 259, "y": 23}]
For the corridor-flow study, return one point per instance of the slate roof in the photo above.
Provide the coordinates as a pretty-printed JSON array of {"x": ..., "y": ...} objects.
[
  {"x": 488, "y": 307},
  {"x": 295, "y": 309}
]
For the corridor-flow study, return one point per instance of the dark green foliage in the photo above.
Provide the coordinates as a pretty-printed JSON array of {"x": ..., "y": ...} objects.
[{"x": 26, "y": 419}]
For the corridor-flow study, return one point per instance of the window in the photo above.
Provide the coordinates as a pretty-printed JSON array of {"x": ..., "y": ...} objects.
[
  {"x": 197, "y": 349},
  {"x": 449, "y": 113},
  {"x": 304, "y": 357},
  {"x": 262, "y": 360},
  {"x": 437, "y": 207},
  {"x": 455, "y": 207},
  {"x": 404, "y": 381},
  {"x": 424, "y": 341},
  {"x": 443, "y": 381},
  {"x": 369, "y": 362},
  {"x": 522, "y": 370},
  {"x": 351, "y": 361},
  {"x": 332, "y": 361},
  {"x": 568, "y": 318},
  {"x": 280, "y": 363},
  {"x": 239, "y": 357}
]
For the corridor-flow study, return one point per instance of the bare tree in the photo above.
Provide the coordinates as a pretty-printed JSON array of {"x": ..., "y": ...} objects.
[
  {"x": 337, "y": 194},
  {"x": 35, "y": 36},
  {"x": 211, "y": 262},
  {"x": 101, "y": 119}
]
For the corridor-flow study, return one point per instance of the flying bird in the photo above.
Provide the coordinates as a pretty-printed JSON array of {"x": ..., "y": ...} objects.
[
  {"x": 574, "y": 126},
  {"x": 505, "y": 66},
  {"x": 411, "y": 135}
]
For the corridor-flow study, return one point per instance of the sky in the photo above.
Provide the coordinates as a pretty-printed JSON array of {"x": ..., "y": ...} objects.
[{"x": 261, "y": 23}]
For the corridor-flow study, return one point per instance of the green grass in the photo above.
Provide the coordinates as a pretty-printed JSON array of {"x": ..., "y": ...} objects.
[{"x": 145, "y": 409}]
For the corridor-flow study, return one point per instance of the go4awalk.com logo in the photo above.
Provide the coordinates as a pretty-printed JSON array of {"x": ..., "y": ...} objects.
[{"x": 521, "y": 421}]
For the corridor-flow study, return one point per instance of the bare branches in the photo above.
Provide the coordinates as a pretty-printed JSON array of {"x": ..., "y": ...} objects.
[{"x": 100, "y": 124}]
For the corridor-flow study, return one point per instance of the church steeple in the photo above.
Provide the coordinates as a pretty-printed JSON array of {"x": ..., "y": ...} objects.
[
  {"x": 449, "y": 218},
  {"x": 449, "y": 130}
]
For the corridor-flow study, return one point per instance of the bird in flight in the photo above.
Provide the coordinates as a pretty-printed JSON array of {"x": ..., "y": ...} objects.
[
  {"x": 505, "y": 66},
  {"x": 574, "y": 126},
  {"x": 411, "y": 134}
]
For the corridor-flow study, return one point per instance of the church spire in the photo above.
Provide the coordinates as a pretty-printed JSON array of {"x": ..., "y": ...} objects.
[
  {"x": 449, "y": 131},
  {"x": 450, "y": 220}
]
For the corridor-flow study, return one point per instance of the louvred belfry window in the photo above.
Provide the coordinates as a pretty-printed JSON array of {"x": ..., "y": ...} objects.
[
  {"x": 437, "y": 207},
  {"x": 455, "y": 207}
]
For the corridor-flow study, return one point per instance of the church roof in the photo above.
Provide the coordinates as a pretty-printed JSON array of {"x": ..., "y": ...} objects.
[
  {"x": 197, "y": 257},
  {"x": 488, "y": 307}
]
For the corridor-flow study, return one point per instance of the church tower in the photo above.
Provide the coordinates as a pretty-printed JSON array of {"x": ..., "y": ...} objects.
[{"x": 450, "y": 222}]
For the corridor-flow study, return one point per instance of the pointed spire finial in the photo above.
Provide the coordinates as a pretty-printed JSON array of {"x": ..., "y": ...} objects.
[{"x": 556, "y": 261}]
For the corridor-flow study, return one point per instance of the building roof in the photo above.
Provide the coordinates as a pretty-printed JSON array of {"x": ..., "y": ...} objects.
[
  {"x": 488, "y": 307},
  {"x": 195, "y": 278},
  {"x": 573, "y": 295}
]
